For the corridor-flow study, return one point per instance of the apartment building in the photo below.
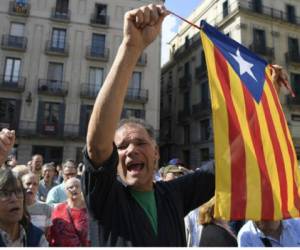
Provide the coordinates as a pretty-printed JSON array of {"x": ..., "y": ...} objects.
[
  {"x": 270, "y": 28},
  {"x": 54, "y": 57}
]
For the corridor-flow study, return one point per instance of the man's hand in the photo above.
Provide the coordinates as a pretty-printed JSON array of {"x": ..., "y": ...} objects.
[
  {"x": 280, "y": 78},
  {"x": 7, "y": 140},
  {"x": 142, "y": 25}
]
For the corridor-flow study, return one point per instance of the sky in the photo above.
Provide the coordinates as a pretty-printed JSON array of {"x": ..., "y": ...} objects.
[{"x": 170, "y": 25}]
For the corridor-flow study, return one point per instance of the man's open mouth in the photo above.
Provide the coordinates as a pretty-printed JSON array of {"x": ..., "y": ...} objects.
[{"x": 135, "y": 167}]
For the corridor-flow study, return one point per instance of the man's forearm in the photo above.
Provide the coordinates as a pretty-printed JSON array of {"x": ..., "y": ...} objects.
[{"x": 109, "y": 103}]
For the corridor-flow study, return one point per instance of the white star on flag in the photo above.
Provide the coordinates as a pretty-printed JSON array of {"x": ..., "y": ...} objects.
[{"x": 245, "y": 66}]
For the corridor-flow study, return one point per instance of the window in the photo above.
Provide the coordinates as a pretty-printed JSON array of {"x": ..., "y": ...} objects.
[
  {"x": 51, "y": 116},
  {"x": 187, "y": 68},
  {"x": 187, "y": 42},
  {"x": 259, "y": 38},
  {"x": 98, "y": 45},
  {"x": 58, "y": 39},
  {"x": 17, "y": 29},
  {"x": 50, "y": 154},
  {"x": 21, "y": 2},
  {"x": 257, "y": 5},
  {"x": 95, "y": 79},
  {"x": 186, "y": 157},
  {"x": 186, "y": 101},
  {"x": 186, "y": 134},
  {"x": 293, "y": 46},
  {"x": 204, "y": 154},
  {"x": 7, "y": 112},
  {"x": 225, "y": 9},
  {"x": 204, "y": 93},
  {"x": 62, "y": 6},
  {"x": 136, "y": 84},
  {"x": 85, "y": 114},
  {"x": 137, "y": 113},
  {"x": 204, "y": 130},
  {"x": 12, "y": 70},
  {"x": 101, "y": 10},
  {"x": 291, "y": 15},
  {"x": 55, "y": 72},
  {"x": 295, "y": 80}
]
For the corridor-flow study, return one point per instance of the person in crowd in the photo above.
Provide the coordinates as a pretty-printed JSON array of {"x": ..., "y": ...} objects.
[
  {"x": 120, "y": 160},
  {"x": 280, "y": 233},
  {"x": 36, "y": 164},
  {"x": 171, "y": 172},
  {"x": 16, "y": 230},
  {"x": 20, "y": 170},
  {"x": 70, "y": 222},
  {"x": 7, "y": 140},
  {"x": 48, "y": 171},
  {"x": 215, "y": 232},
  {"x": 40, "y": 213},
  {"x": 12, "y": 161},
  {"x": 58, "y": 178},
  {"x": 57, "y": 194}
]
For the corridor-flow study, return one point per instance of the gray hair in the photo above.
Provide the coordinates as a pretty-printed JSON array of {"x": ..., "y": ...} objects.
[{"x": 140, "y": 122}]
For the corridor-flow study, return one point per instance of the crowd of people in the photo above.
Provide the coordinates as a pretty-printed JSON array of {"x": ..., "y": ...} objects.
[{"x": 122, "y": 198}]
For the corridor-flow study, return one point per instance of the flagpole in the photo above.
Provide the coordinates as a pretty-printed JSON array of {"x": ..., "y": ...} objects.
[{"x": 185, "y": 20}]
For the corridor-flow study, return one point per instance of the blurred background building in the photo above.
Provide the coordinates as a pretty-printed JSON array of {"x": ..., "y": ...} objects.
[{"x": 54, "y": 57}]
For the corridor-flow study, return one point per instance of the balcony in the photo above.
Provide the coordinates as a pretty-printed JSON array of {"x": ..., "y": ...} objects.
[
  {"x": 200, "y": 72},
  {"x": 97, "y": 54},
  {"x": 19, "y": 9},
  {"x": 31, "y": 129},
  {"x": 262, "y": 50},
  {"x": 201, "y": 109},
  {"x": 52, "y": 87},
  {"x": 60, "y": 15},
  {"x": 292, "y": 57},
  {"x": 26, "y": 129},
  {"x": 184, "y": 115},
  {"x": 56, "y": 49},
  {"x": 18, "y": 43},
  {"x": 185, "y": 81},
  {"x": 100, "y": 20},
  {"x": 12, "y": 83},
  {"x": 142, "y": 61},
  {"x": 89, "y": 91},
  {"x": 137, "y": 95}
]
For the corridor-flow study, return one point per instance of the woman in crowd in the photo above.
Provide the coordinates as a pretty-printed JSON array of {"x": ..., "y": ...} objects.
[
  {"x": 16, "y": 230},
  {"x": 69, "y": 219},
  {"x": 215, "y": 233}
]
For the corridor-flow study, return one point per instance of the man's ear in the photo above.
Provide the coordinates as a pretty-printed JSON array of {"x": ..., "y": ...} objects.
[{"x": 157, "y": 155}]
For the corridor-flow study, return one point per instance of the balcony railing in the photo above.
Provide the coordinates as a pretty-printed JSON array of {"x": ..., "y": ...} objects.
[
  {"x": 292, "y": 57},
  {"x": 262, "y": 49},
  {"x": 60, "y": 15},
  {"x": 10, "y": 42},
  {"x": 12, "y": 83},
  {"x": 185, "y": 81},
  {"x": 201, "y": 109},
  {"x": 89, "y": 90},
  {"x": 19, "y": 9},
  {"x": 100, "y": 20},
  {"x": 137, "y": 95},
  {"x": 184, "y": 115},
  {"x": 56, "y": 49},
  {"x": 35, "y": 128},
  {"x": 142, "y": 61},
  {"x": 52, "y": 87},
  {"x": 97, "y": 53}
]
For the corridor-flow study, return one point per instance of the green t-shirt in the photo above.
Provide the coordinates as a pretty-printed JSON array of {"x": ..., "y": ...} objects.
[{"x": 147, "y": 201}]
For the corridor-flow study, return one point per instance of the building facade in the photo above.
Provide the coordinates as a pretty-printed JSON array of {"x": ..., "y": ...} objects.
[
  {"x": 54, "y": 57},
  {"x": 270, "y": 28}
]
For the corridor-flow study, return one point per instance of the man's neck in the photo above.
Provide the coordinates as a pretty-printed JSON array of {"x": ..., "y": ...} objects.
[
  {"x": 78, "y": 203},
  {"x": 274, "y": 233},
  {"x": 13, "y": 230}
]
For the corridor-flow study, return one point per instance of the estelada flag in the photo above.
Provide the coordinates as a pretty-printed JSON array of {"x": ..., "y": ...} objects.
[{"x": 257, "y": 175}]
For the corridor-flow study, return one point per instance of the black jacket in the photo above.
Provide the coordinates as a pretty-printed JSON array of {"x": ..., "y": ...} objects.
[{"x": 116, "y": 219}]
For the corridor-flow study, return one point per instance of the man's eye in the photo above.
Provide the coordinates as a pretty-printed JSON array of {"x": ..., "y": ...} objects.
[{"x": 120, "y": 147}]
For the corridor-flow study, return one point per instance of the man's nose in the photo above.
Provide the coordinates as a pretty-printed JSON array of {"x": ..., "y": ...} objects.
[{"x": 131, "y": 149}]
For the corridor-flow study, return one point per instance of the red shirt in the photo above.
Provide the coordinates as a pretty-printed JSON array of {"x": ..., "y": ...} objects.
[{"x": 62, "y": 232}]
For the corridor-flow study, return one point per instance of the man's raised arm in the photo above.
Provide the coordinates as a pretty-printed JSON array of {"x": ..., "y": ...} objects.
[{"x": 141, "y": 27}]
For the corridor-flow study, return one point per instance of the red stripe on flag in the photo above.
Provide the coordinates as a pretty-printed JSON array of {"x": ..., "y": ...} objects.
[
  {"x": 237, "y": 146},
  {"x": 278, "y": 157},
  {"x": 289, "y": 145},
  {"x": 267, "y": 203}
]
